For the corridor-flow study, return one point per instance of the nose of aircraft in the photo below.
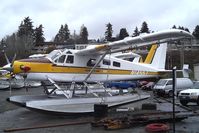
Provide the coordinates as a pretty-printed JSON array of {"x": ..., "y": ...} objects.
[{"x": 20, "y": 67}]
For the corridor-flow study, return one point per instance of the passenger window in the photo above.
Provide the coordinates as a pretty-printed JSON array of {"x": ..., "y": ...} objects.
[
  {"x": 91, "y": 62},
  {"x": 116, "y": 64},
  {"x": 106, "y": 62},
  {"x": 61, "y": 59},
  {"x": 70, "y": 59}
]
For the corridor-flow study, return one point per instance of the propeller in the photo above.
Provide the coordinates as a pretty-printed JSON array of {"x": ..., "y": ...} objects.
[
  {"x": 8, "y": 66},
  {"x": 9, "y": 69}
]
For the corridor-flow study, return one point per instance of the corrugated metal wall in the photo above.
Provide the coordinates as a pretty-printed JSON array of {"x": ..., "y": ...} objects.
[{"x": 196, "y": 71}]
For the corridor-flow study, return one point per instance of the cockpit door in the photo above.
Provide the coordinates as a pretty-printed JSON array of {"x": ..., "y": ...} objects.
[
  {"x": 70, "y": 59},
  {"x": 60, "y": 60}
]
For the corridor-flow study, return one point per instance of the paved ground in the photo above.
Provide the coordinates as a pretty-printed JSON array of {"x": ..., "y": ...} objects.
[{"x": 12, "y": 116}]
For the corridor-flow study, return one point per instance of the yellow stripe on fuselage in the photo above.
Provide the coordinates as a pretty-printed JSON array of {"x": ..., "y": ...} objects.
[{"x": 50, "y": 68}]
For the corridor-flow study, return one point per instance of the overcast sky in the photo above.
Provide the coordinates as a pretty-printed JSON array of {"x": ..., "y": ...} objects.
[{"x": 95, "y": 14}]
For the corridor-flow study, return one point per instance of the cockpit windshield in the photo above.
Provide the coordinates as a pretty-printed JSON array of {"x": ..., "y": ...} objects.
[{"x": 54, "y": 54}]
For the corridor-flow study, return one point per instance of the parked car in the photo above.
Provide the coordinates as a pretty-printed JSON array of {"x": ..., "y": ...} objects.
[
  {"x": 141, "y": 83},
  {"x": 190, "y": 95},
  {"x": 148, "y": 86},
  {"x": 165, "y": 86}
]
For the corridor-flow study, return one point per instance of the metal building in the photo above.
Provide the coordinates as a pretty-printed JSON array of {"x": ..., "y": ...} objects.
[{"x": 196, "y": 71}]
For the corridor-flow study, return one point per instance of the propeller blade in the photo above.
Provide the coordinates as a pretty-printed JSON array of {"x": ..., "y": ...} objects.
[
  {"x": 13, "y": 59},
  {"x": 7, "y": 60}
]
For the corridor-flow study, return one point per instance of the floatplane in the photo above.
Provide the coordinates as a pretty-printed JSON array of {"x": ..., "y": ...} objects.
[{"x": 96, "y": 63}]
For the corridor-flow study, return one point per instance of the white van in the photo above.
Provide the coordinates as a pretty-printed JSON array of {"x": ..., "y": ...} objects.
[{"x": 165, "y": 86}]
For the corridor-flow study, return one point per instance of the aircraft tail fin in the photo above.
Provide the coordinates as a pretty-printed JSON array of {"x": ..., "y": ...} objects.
[
  {"x": 157, "y": 56},
  {"x": 151, "y": 54}
]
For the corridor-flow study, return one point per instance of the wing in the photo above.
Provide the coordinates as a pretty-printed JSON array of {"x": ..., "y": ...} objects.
[
  {"x": 133, "y": 42},
  {"x": 126, "y": 55}
]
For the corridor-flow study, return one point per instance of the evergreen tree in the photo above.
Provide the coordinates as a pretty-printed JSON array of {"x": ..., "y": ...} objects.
[
  {"x": 123, "y": 33},
  {"x": 108, "y": 32},
  {"x": 26, "y": 28},
  {"x": 24, "y": 39},
  {"x": 196, "y": 32},
  {"x": 3, "y": 47},
  {"x": 60, "y": 35},
  {"x": 136, "y": 32},
  {"x": 186, "y": 29},
  {"x": 174, "y": 27},
  {"x": 39, "y": 36},
  {"x": 56, "y": 39},
  {"x": 63, "y": 35},
  {"x": 181, "y": 27},
  {"x": 21, "y": 30},
  {"x": 144, "y": 28},
  {"x": 66, "y": 32},
  {"x": 83, "y": 35}
]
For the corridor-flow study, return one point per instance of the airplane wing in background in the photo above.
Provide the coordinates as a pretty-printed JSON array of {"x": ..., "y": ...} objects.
[{"x": 138, "y": 41}]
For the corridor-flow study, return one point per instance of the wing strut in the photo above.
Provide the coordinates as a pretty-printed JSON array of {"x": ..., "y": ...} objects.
[
  {"x": 58, "y": 88},
  {"x": 94, "y": 67}
]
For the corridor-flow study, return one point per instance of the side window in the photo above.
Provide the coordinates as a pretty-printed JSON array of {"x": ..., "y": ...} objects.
[
  {"x": 170, "y": 82},
  {"x": 70, "y": 59},
  {"x": 106, "y": 62},
  {"x": 91, "y": 62},
  {"x": 116, "y": 64},
  {"x": 61, "y": 59}
]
